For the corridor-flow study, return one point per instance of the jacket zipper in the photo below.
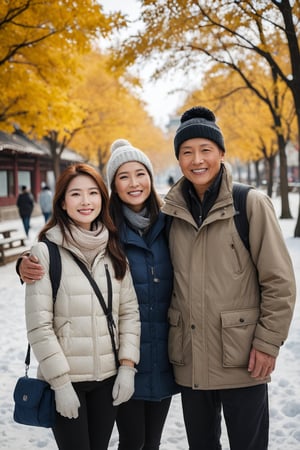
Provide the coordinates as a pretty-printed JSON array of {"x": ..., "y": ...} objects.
[{"x": 155, "y": 279}]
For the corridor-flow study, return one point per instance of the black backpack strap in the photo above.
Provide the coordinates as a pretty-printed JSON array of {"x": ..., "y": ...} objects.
[
  {"x": 55, "y": 276},
  {"x": 240, "y": 193},
  {"x": 106, "y": 309},
  {"x": 54, "y": 266}
]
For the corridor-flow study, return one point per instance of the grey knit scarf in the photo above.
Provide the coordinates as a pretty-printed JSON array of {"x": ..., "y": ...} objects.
[{"x": 140, "y": 221}]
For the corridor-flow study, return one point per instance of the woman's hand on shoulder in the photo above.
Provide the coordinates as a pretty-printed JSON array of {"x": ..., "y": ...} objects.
[{"x": 30, "y": 270}]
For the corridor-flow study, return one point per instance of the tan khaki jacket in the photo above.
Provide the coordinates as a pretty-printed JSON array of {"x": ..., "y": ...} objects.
[{"x": 226, "y": 300}]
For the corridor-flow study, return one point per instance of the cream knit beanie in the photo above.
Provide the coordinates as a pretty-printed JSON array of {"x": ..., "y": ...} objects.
[{"x": 122, "y": 152}]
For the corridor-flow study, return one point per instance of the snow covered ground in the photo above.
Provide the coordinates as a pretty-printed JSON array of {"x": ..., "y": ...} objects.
[{"x": 284, "y": 389}]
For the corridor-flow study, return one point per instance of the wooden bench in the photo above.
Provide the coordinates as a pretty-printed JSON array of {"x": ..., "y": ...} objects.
[
  {"x": 7, "y": 246},
  {"x": 6, "y": 233}
]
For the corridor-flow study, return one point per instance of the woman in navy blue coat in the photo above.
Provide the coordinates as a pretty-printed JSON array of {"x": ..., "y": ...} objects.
[{"x": 135, "y": 208}]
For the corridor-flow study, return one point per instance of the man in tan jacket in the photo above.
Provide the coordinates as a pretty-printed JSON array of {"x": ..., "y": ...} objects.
[{"x": 231, "y": 308}]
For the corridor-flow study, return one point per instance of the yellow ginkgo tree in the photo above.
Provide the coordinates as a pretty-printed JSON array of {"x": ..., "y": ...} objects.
[
  {"x": 246, "y": 120},
  {"x": 39, "y": 54},
  {"x": 112, "y": 111},
  {"x": 189, "y": 34}
]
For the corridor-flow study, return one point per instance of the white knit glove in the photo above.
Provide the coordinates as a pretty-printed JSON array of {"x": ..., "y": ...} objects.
[
  {"x": 67, "y": 402},
  {"x": 124, "y": 385}
]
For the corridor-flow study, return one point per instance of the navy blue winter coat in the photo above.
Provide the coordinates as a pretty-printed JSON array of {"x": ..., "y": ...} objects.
[{"x": 152, "y": 274}]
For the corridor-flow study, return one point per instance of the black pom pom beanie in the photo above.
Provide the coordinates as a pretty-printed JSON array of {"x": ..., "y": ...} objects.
[{"x": 198, "y": 122}]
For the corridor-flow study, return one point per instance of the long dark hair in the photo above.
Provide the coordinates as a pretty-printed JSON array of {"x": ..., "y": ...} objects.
[
  {"x": 153, "y": 203},
  {"x": 60, "y": 217}
]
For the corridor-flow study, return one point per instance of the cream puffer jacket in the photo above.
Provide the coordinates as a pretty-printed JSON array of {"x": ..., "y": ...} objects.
[
  {"x": 72, "y": 343},
  {"x": 225, "y": 299}
]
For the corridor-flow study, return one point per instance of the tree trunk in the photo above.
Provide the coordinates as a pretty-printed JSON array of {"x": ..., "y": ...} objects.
[
  {"x": 271, "y": 164},
  {"x": 297, "y": 229},
  {"x": 257, "y": 174},
  {"x": 249, "y": 172},
  {"x": 285, "y": 208},
  {"x": 51, "y": 138}
]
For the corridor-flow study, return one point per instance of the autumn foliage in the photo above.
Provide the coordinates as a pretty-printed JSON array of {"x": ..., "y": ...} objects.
[{"x": 55, "y": 82}]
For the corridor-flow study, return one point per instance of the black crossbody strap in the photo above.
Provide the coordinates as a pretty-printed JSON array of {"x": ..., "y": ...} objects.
[
  {"x": 27, "y": 360},
  {"x": 109, "y": 316},
  {"x": 106, "y": 309}
]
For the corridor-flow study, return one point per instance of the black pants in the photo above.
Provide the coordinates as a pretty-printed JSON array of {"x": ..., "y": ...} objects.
[
  {"x": 26, "y": 224},
  {"x": 246, "y": 415},
  {"x": 140, "y": 424},
  {"x": 92, "y": 429}
]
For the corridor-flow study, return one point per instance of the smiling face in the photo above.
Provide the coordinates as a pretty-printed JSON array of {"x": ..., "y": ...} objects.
[
  {"x": 200, "y": 161},
  {"x": 133, "y": 184},
  {"x": 82, "y": 201}
]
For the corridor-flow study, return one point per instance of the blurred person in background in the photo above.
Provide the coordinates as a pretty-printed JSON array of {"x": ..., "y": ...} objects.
[
  {"x": 25, "y": 204},
  {"x": 45, "y": 201}
]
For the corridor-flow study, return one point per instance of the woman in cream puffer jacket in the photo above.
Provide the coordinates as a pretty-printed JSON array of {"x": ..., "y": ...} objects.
[
  {"x": 79, "y": 344},
  {"x": 70, "y": 338}
]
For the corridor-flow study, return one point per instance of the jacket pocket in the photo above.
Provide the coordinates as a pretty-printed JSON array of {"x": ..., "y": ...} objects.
[
  {"x": 175, "y": 341},
  {"x": 238, "y": 329}
]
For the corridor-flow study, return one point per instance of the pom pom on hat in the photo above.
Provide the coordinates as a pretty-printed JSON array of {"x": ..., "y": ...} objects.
[
  {"x": 118, "y": 143},
  {"x": 122, "y": 152},
  {"x": 198, "y": 122}
]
